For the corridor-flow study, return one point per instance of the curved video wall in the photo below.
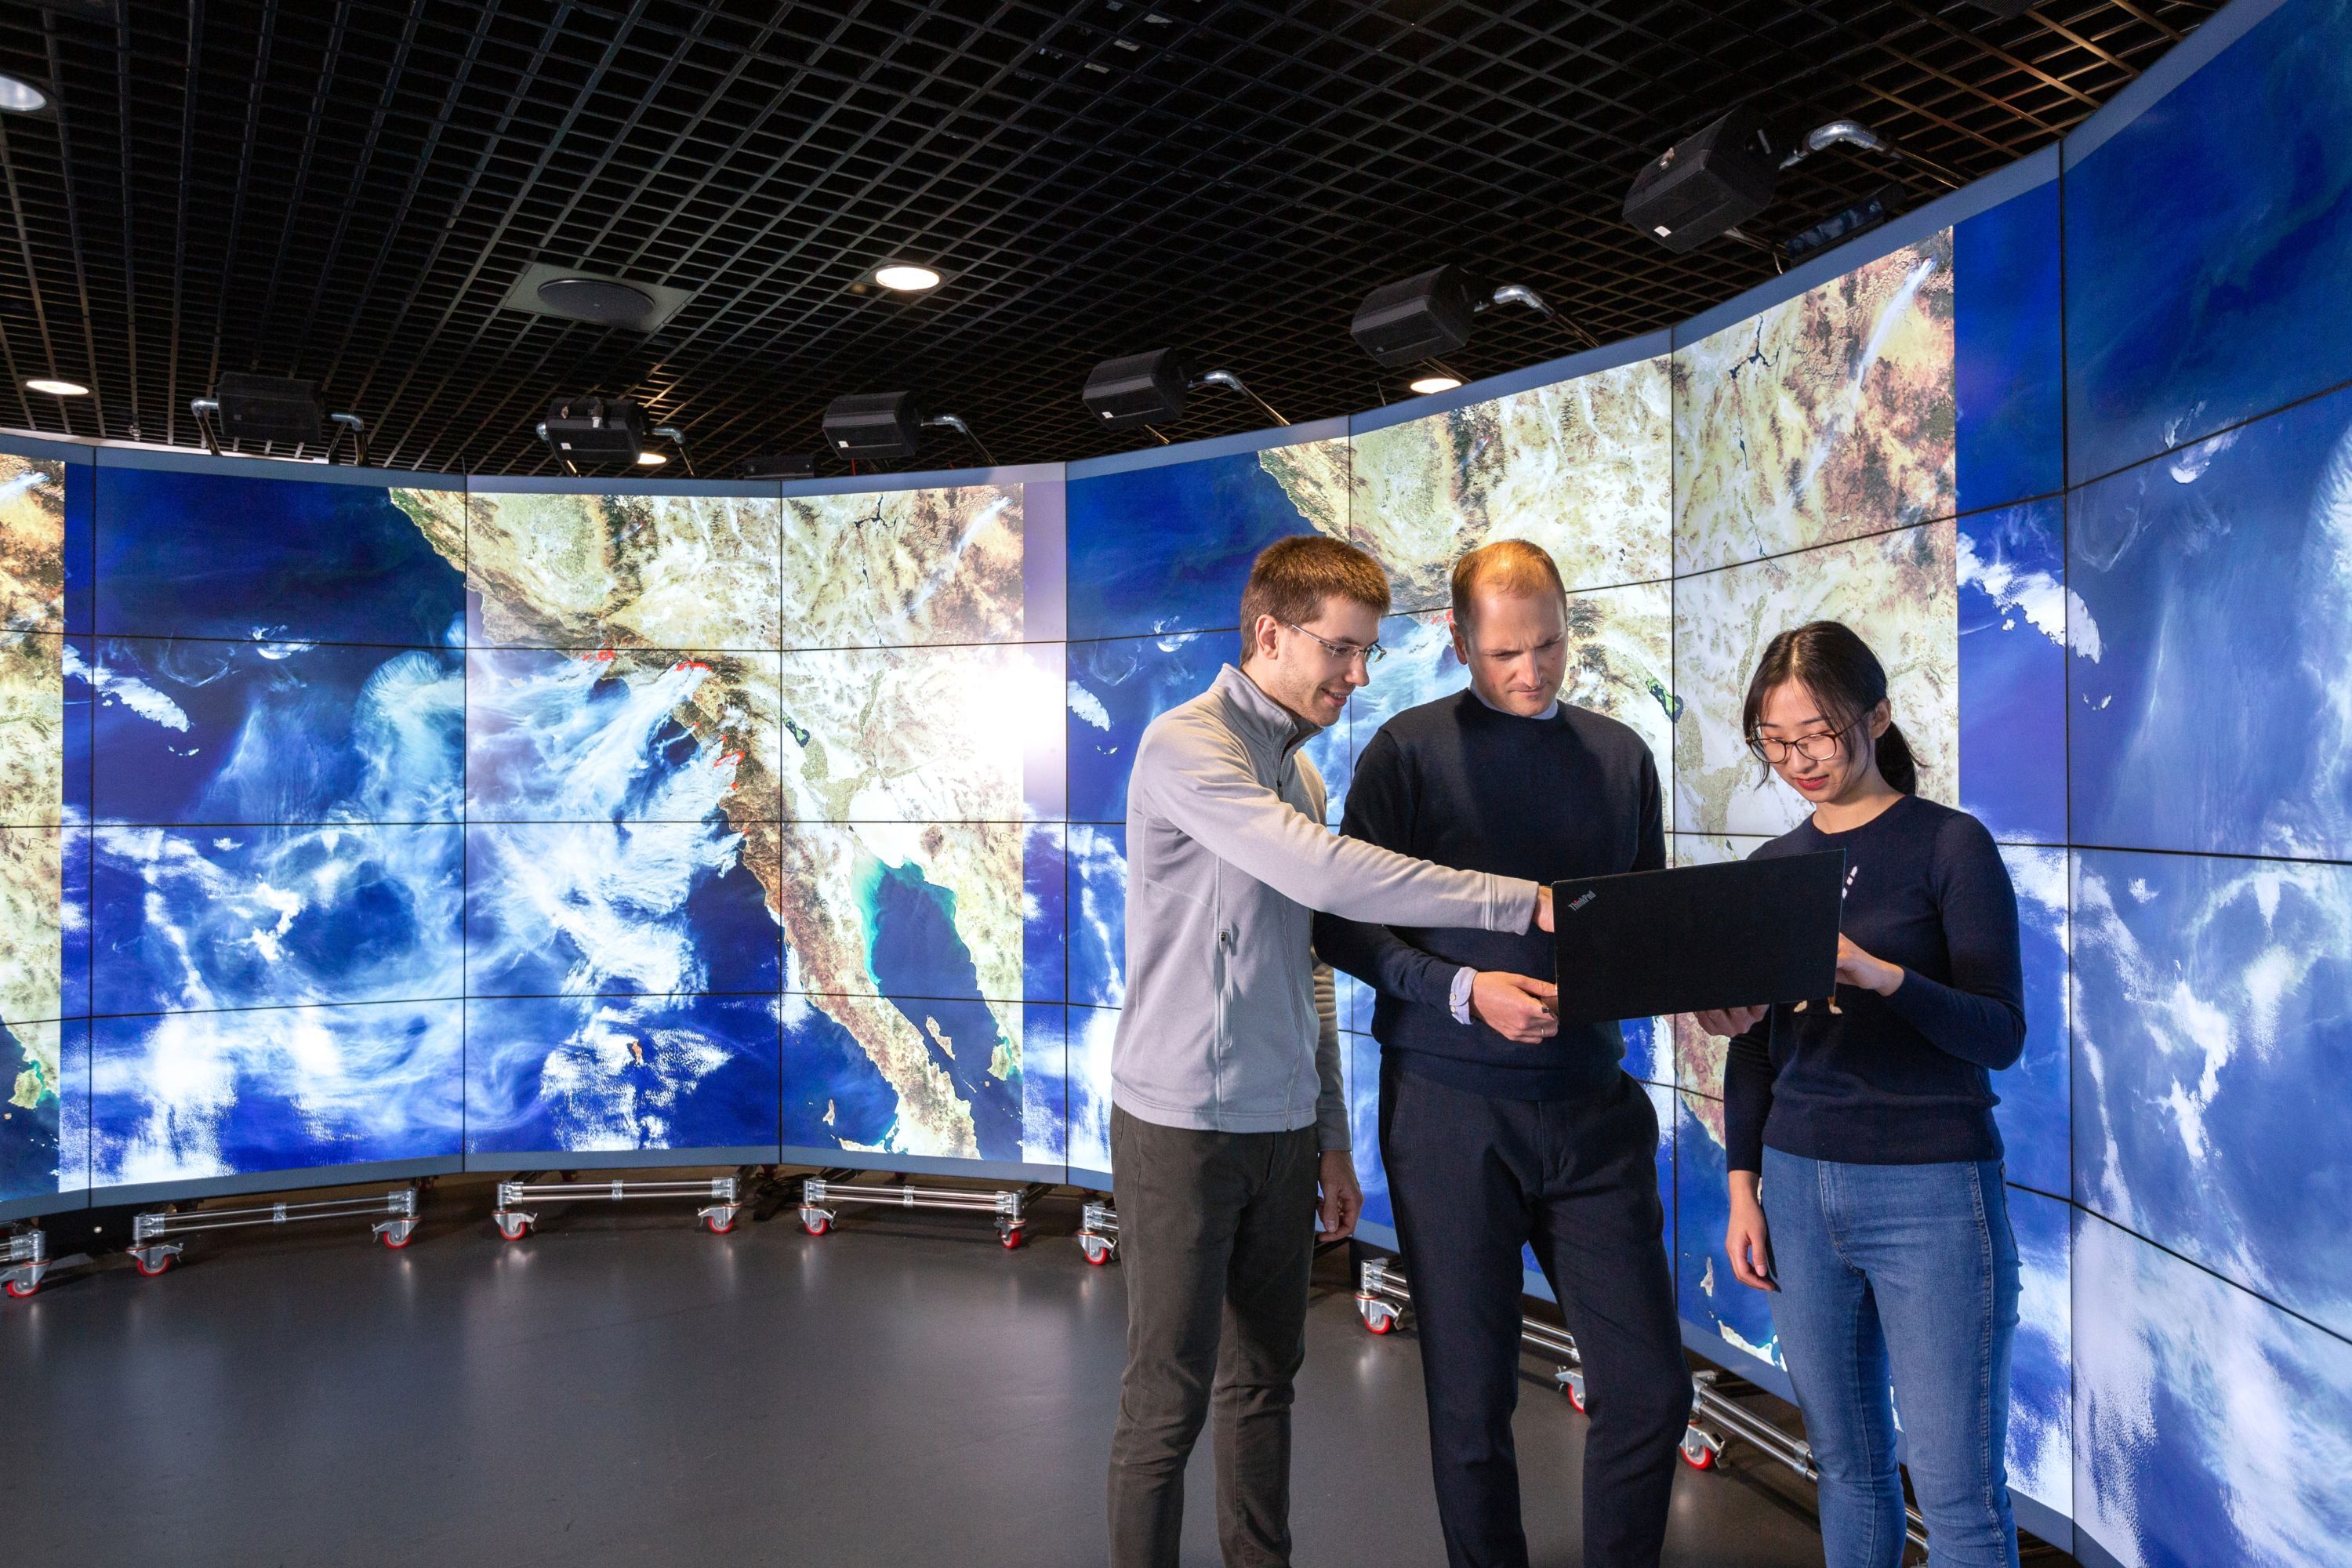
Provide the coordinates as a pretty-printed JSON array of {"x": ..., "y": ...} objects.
[{"x": 362, "y": 824}]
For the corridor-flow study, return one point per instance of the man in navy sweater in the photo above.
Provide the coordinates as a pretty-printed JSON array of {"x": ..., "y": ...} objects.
[{"x": 1498, "y": 1128}]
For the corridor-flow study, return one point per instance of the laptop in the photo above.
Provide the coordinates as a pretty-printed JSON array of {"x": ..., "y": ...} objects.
[{"x": 1693, "y": 938}]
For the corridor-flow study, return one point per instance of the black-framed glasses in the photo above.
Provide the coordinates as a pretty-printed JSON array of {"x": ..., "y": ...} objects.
[
  {"x": 1345, "y": 652},
  {"x": 1818, "y": 747}
]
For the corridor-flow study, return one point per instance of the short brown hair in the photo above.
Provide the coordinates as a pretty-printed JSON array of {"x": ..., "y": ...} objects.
[
  {"x": 1511, "y": 566},
  {"x": 1292, "y": 577}
]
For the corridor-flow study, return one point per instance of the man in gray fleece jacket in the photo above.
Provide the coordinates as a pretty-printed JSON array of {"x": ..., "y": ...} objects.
[{"x": 1228, "y": 1113}]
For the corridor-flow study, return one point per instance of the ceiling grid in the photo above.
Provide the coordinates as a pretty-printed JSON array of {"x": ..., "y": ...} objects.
[{"x": 346, "y": 190}]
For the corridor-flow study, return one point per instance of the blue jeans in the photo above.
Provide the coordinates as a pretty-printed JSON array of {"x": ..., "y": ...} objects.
[{"x": 1905, "y": 1274}]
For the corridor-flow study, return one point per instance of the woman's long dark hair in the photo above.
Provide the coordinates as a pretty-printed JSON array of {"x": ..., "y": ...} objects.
[{"x": 1844, "y": 677}]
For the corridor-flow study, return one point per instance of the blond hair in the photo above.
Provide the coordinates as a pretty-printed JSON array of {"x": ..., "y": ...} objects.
[{"x": 1504, "y": 565}]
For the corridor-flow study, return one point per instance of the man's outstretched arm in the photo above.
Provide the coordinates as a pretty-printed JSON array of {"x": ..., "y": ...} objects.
[
  {"x": 1380, "y": 812},
  {"x": 1196, "y": 776}
]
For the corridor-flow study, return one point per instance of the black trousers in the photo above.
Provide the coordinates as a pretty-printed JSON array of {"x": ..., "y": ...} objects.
[
  {"x": 1216, "y": 1237},
  {"x": 1472, "y": 1178}
]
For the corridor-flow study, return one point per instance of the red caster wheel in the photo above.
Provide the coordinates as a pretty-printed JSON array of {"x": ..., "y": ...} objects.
[
  {"x": 817, "y": 1227},
  {"x": 717, "y": 1227},
  {"x": 1576, "y": 1399},
  {"x": 1381, "y": 1323},
  {"x": 160, "y": 1266},
  {"x": 1012, "y": 1240},
  {"x": 1096, "y": 1253},
  {"x": 513, "y": 1229},
  {"x": 1696, "y": 1453},
  {"x": 23, "y": 1289},
  {"x": 395, "y": 1243}
]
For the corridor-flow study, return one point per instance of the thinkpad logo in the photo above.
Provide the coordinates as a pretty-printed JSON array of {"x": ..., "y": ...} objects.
[{"x": 1582, "y": 899}]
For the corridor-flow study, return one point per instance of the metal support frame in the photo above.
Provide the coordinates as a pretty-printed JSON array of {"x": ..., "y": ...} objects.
[
  {"x": 1231, "y": 383},
  {"x": 817, "y": 1193},
  {"x": 677, "y": 437},
  {"x": 1383, "y": 1297},
  {"x": 1099, "y": 1231},
  {"x": 1854, "y": 134},
  {"x": 358, "y": 427},
  {"x": 1520, "y": 294},
  {"x": 152, "y": 1254},
  {"x": 949, "y": 421},
  {"x": 718, "y": 1217},
  {"x": 26, "y": 1254}
]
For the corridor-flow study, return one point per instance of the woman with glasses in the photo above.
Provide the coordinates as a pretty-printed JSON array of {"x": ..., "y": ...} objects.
[{"x": 1865, "y": 1168}]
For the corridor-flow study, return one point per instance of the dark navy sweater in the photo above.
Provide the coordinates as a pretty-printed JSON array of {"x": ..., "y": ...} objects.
[
  {"x": 1456, "y": 782},
  {"x": 1901, "y": 1079}
]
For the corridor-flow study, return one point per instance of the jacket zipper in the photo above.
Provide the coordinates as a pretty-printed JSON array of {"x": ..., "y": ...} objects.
[{"x": 1217, "y": 1043}]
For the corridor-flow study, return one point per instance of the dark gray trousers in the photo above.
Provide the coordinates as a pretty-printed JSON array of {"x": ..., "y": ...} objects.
[
  {"x": 1472, "y": 1178},
  {"x": 1216, "y": 1237}
]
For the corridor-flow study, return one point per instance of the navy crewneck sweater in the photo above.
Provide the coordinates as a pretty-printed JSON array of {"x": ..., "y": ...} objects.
[
  {"x": 1453, "y": 781},
  {"x": 1901, "y": 1079}
]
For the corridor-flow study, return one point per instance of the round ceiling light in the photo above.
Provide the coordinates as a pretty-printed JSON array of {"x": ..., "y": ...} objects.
[
  {"x": 651, "y": 459},
  {"x": 56, "y": 388},
  {"x": 905, "y": 277},
  {"x": 597, "y": 299},
  {"x": 1429, "y": 383},
  {"x": 20, "y": 96}
]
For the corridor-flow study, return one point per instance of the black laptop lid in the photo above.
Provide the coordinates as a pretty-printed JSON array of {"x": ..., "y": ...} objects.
[{"x": 1697, "y": 937}]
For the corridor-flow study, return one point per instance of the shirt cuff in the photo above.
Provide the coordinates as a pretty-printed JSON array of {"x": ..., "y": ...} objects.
[{"x": 1460, "y": 1001}]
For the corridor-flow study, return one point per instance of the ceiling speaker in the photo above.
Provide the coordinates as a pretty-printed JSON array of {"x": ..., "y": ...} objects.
[
  {"x": 1142, "y": 389},
  {"x": 873, "y": 427},
  {"x": 597, "y": 429},
  {"x": 577, "y": 294},
  {"x": 1706, "y": 184},
  {"x": 1420, "y": 318},
  {"x": 271, "y": 408},
  {"x": 602, "y": 301}
]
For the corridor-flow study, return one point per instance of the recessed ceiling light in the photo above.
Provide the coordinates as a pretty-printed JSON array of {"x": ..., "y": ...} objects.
[
  {"x": 56, "y": 388},
  {"x": 651, "y": 459},
  {"x": 905, "y": 277},
  {"x": 20, "y": 96},
  {"x": 1429, "y": 383}
]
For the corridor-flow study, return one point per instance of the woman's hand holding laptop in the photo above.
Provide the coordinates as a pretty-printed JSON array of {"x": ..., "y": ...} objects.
[{"x": 1729, "y": 1020}]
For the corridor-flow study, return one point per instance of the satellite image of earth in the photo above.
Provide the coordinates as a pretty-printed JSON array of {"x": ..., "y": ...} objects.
[
  {"x": 42, "y": 849},
  {"x": 599, "y": 866}
]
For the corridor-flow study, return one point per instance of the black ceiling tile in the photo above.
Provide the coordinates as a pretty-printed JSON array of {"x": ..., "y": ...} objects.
[{"x": 1237, "y": 178}]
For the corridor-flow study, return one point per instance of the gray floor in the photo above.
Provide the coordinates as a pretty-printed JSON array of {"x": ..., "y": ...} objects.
[{"x": 622, "y": 1388}]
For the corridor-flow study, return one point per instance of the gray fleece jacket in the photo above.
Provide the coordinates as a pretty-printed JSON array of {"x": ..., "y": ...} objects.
[{"x": 1229, "y": 1024}]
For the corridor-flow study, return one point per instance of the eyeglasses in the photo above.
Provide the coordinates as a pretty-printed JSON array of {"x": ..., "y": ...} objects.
[
  {"x": 1345, "y": 652},
  {"x": 1818, "y": 747}
]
